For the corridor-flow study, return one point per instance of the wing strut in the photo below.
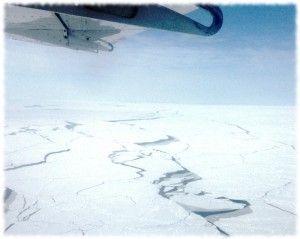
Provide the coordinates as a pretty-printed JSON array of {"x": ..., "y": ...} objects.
[{"x": 66, "y": 29}]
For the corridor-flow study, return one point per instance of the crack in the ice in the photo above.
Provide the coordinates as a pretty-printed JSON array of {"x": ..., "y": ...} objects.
[
  {"x": 24, "y": 202},
  {"x": 130, "y": 198},
  {"x": 79, "y": 228},
  {"x": 34, "y": 131},
  {"x": 46, "y": 138},
  {"x": 282, "y": 186},
  {"x": 37, "y": 163},
  {"x": 243, "y": 129},
  {"x": 27, "y": 208},
  {"x": 268, "y": 149},
  {"x": 10, "y": 225},
  {"x": 290, "y": 145},
  {"x": 243, "y": 156},
  {"x": 266, "y": 194},
  {"x": 85, "y": 134},
  {"x": 239, "y": 127},
  {"x": 164, "y": 141},
  {"x": 97, "y": 185},
  {"x": 72, "y": 140},
  {"x": 169, "y": 140},
  {"x": 202, "y": 193},
  {"x": 114, "y": 156},
  {"x": 71, "y": 125},
  {"x": 214, "y": 215},
  {"x": 56, "y": 152},
  {"x": 219, "y": 229},
  {"x": 185, "y": 177},
  {"x": 280, "y": 209},
  {"x": 26, "y": 218},
  {"x": 30, "y": 209},
  {"x": 187, "y": 147},
  {"x": 82, "y": 230},
  {"x": 247, "y": 132},
  {"x": 24, "y": 130}
]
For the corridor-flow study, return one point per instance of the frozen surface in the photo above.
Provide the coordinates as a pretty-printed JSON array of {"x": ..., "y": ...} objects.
[{"x": 149, "y": 169}]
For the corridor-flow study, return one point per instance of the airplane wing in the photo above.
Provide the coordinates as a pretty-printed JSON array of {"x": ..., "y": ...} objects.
[{"x": 99, "y": 27}]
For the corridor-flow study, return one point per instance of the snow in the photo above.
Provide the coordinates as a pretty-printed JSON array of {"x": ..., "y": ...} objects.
[{"x": 149, "y": 169}]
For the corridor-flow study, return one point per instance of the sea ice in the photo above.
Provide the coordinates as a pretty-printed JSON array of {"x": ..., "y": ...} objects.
[{"x": 149, "y": 169}]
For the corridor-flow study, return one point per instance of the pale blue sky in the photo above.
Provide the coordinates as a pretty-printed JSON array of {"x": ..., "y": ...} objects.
[{"x": 250, "y": 61}]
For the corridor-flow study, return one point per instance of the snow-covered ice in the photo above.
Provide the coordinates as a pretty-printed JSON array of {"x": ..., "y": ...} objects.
[{"x": 149, "y": 169}]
